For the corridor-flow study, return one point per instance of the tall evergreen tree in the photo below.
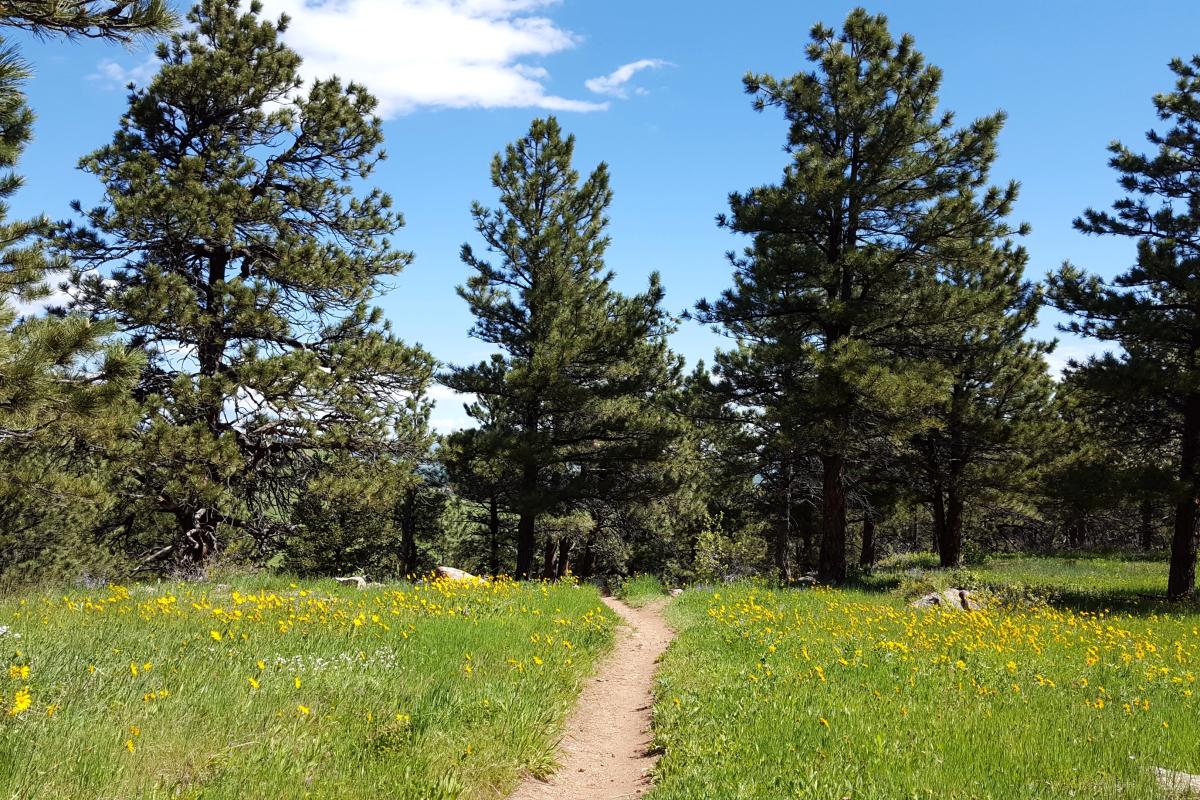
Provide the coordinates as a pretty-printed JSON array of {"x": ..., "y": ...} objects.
[
  {"x": 1152, "y": 310},
  {"x": 233, "y": 249},
  {"x": 882, "y": 191},
  {"x": 63, "y": 392},
  {"x": 477, "y": 466},
  {"x": 993, "y": 418},
  {"x": 763, "y": 388},
  {"x": 580, "y": 362}
]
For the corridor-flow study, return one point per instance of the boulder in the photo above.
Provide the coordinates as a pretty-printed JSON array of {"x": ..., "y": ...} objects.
[
  {"x": 676, "y": 592},
  {"x": 1178, "y": 785},
  {"x": 450, "y": 573},
  {"x": 356, "y": 580},
  {"x": 950, "y": 599}
]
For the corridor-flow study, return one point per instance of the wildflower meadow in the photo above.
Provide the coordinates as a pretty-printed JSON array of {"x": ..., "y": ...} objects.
[
  {"x": 283, "y": 690},
  {"x": 836, "y": 693}
]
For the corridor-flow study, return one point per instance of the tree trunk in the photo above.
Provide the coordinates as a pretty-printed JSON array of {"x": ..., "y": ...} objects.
[
  {"x": 950, "y": 544},
  {"x": 525, "y": 544},
  {"x": 1077, "y": 531},
  {"x": 937, "y": 508},
  {"x": 831, "y": 565},
  {"x": 526, "y": 535},
  {"x": 866, "y": 556},
  {"x": 408, "y": 533},
  {"x": 548, "y": 557},
  {"x": 494, "y": 535},
  {"x": 564, "y": 555},
  {"x": 783, "y": 531},
  {"x": 1147, "y": 524},
  {"x": 587, "y": 564},
  {"x": 950, "y": 548},
  {"x": 806, "y": 535},
  {"x": 210, "y": 349},
  {"x": 199, "y": 534},
  {"x": 1181, "y": 582}
]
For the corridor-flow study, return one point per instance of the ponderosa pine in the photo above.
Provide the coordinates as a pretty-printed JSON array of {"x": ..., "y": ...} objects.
[
  {"x": 235, "y": 249},
  {"x": 581, "y": 364},
  {"x": 993, "y": 418},
  {"x": 64, "y": 390},
  {"x": 881, "y": 193},
  {"x": 1152, "y": 310}
]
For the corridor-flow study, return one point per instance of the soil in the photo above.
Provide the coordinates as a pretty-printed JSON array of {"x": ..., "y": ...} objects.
[{"x": 605, "y": 750}]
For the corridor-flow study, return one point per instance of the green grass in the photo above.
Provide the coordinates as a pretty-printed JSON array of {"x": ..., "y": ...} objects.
[
  {"x": 638, "y": 590},
  {"x": 832, "y": 694},
  {"x": 271, "y": 690},
  {"x": 1095, "y": 582},
  {"x": 1085, "y": 578}
]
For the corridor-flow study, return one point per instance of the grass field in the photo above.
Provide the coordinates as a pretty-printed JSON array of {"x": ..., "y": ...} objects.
[
  {"x": 276, "y": 690},
  {"x": 1082, "y": 581},
  {"x": 638, "y": 590},
  {"x": 833, "y": 694},
  {"x": 1086, "y": 581}
]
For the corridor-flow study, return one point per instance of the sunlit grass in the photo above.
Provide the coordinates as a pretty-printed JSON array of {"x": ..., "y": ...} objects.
[
  {"x": 638, "y": 590},
  {"x": 450, "y": 689},
  {"x": 1083, "y": 581},
  {"x": 1083, "y": 576},
  {"x": 831, "y": 694}
]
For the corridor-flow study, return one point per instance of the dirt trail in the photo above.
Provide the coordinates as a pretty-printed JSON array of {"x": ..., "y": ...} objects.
[{"x": 604, "y": 748}]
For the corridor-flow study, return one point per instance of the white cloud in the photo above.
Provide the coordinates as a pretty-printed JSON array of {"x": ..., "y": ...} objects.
[
  {"x": 1071, "y": 348},
  {"x": 433, "y": 53},
  {"x": 61, "y": 295},
  {"x": 117, "y": 76},
  {"x": 614, "y": 84},
  {"x": 449, "y": 415}
]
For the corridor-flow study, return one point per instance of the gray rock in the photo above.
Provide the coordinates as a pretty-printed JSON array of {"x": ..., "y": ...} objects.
[
  {"x": 676, "y": 592},
  {"x": 450, "y": 573},
  {"x": 950, "y": 599},
  {"x": 356, "y": 580},
  {"x": 1178, "y": 785}
]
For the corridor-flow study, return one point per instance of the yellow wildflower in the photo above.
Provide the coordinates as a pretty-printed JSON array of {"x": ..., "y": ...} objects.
[{"x": 21, "y": 702}]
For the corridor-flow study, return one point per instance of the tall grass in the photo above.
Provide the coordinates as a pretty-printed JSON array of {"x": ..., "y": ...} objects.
[
  {"x": 1095, "y": 582},
  {"x": 450, "y": 689},
  {"x": 638, "y": 590},
  {"x": 830, "y": 694}
]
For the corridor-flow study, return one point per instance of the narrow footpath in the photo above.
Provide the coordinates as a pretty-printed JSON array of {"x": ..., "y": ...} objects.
[{"x": 604, "y": 752}]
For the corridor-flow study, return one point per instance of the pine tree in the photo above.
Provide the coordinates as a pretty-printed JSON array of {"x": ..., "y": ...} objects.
[
  {"x": 882, "y": 191},
  {"x": 581, "y": 363},
  {"x": 762, "y": 388},
  {"x": 63, "y": 392},
  {"x": 1113, "y": 447},
  {"x": 231, "y": 247},
  {"x": 1152, "y": 310},
  {"x": 476, "y": 463},
  {"x": 112, "y": 20},
  {"x": 992, "y": 420},
  {"x": 34, "y": 390}
]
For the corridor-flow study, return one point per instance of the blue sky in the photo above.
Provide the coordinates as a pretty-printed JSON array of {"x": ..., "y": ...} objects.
[{"x": 460, "y": 78}]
